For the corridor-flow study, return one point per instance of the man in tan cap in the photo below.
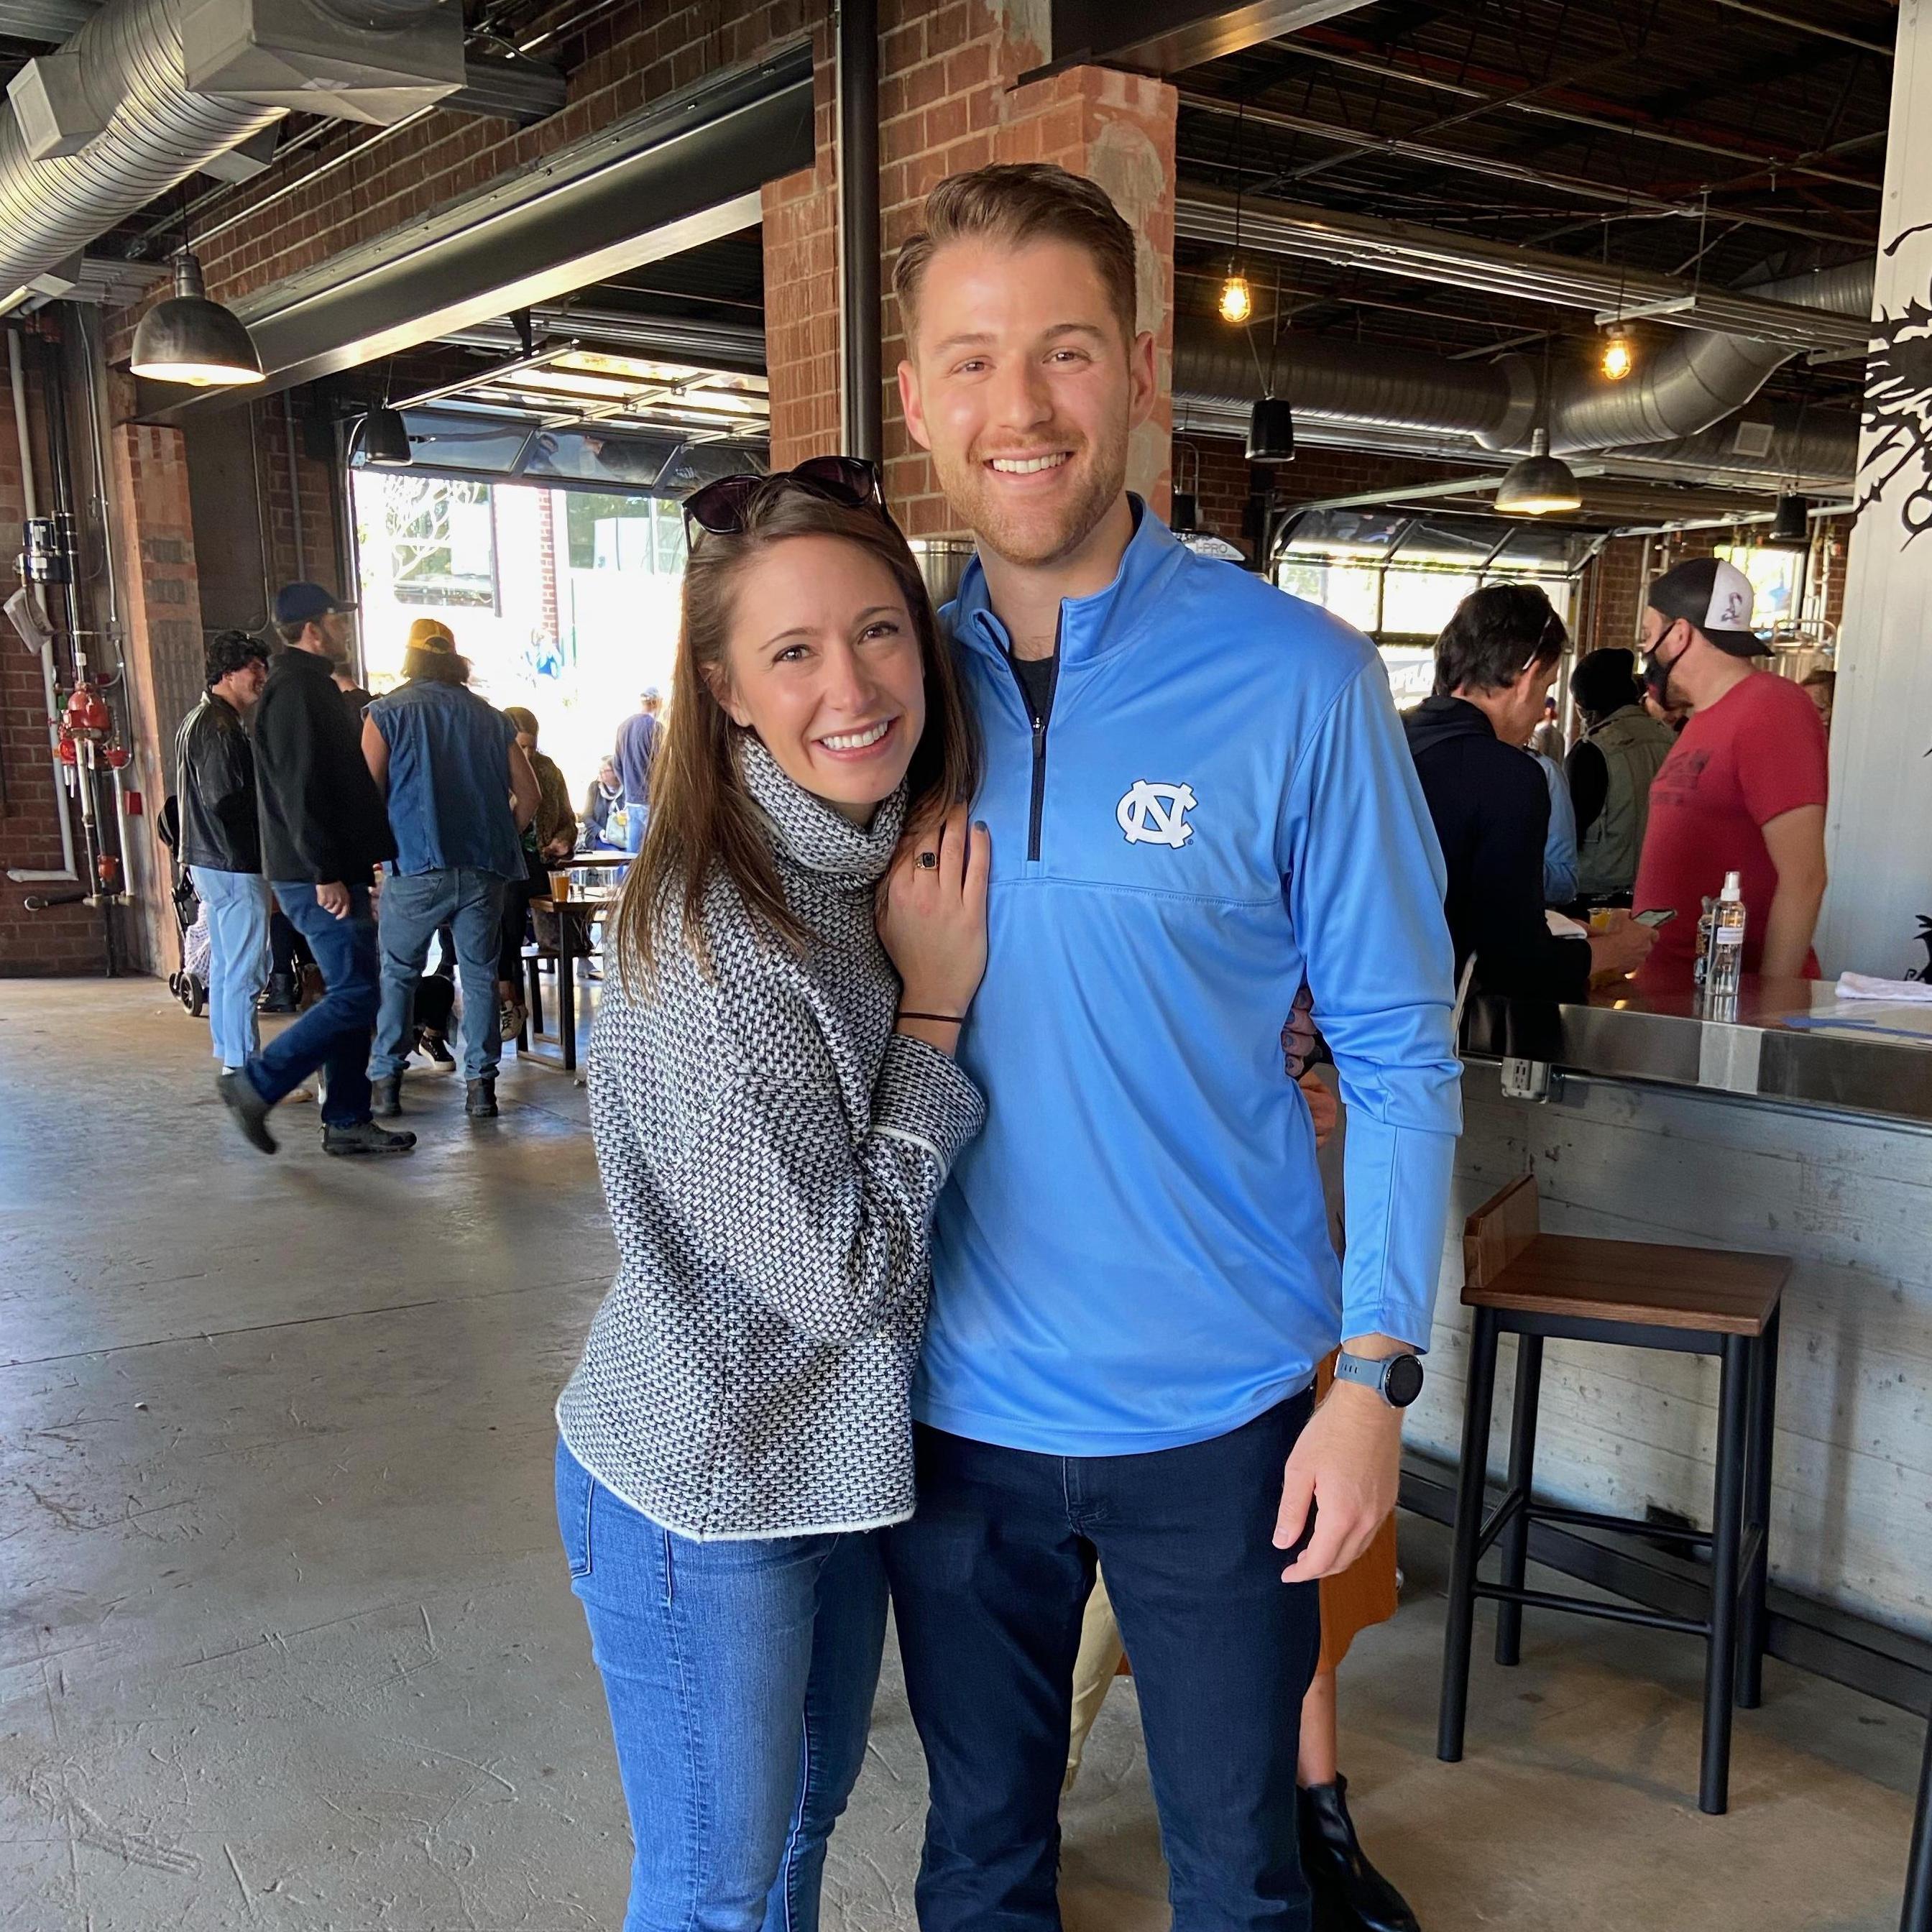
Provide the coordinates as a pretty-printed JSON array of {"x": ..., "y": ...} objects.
[{"x": 459, "y": 792}]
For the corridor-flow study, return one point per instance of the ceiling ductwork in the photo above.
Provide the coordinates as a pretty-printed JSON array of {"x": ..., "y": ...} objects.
[{"x": 102, "y": 126}]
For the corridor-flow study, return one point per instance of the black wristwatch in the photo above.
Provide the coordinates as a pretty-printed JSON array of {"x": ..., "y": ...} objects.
[{"x": 1398, "y": 1380}]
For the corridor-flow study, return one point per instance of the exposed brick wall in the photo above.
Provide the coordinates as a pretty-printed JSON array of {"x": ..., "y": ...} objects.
[
  {"x": 64, "y": 939},
  {"x": 948, "y": 101}
]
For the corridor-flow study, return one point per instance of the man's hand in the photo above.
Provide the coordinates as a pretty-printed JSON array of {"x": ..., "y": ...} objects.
[
  {"x": 332, "y": 895},
  {"x": 1346, "y": 1464}
]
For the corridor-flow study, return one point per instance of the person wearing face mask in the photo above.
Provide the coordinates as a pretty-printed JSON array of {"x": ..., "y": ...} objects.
[
  {"x": 1495, "y": 662},
  {"x": 776, "y": 1105},
  {"x": 1744, "y": 788}
]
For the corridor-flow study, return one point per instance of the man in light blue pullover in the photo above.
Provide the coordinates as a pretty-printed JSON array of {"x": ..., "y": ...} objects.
[{"x": 1200, "y": 797}]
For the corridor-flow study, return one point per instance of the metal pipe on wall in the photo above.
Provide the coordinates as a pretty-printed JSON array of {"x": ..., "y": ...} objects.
[
  {"x": 861, "y": 369},
  {"x": 31, "y": 503}
]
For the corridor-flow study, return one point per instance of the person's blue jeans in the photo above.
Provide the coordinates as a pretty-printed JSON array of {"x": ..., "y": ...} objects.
[
  {"x": 636, "y": 818},
  {"x": 989, "y": 1580},
  {"x": 238, "y": 906},
  {"x": 334, "y": 1033},
  {"x": 740, "y": 1677},
  {"x": 414, "y": 905}
]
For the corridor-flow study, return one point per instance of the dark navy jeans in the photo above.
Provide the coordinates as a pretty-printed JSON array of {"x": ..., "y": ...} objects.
[
  {"x": 334, "y": 1033},
  {"x": 989, "y": 1580}
]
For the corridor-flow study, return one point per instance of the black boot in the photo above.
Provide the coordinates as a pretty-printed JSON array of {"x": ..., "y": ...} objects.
[
  {"x": 365, "y": 1137},
  {"x": 1350, "y": 1895},
  {"x": 385, "y": 1097},
  {"x": 249, "y": 1110},
  {"x": 280, "y": 995},
  {"x": 479, "y": 1099}
]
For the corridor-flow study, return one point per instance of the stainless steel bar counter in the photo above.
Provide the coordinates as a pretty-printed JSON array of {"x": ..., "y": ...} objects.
[{"x": 1801, "y": 1126}]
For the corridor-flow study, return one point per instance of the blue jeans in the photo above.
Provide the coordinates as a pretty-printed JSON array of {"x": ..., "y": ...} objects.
[
  {"x": 637, "y": 816},
  {"x": 414, "y": 905},
  {"x": 989, "y": 1580},
  {"x": 334, "y": 1033},
  {"x": 238, "y": 958},
  {"x": 740, "y": 1677}
]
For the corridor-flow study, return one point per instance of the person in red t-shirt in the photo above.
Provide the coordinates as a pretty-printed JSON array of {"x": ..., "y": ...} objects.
[{"x": 1744, "y": 789}]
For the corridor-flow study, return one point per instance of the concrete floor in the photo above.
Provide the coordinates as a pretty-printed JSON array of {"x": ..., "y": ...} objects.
[{"x": 288, "y": 1642}]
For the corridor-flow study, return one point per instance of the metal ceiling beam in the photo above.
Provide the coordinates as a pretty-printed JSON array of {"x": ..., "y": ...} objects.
[
  {"x": 1164, "y": 36},
  {"x": 1799, "y": 26},
  {"x": 1592, "y": 114},
  {"x": 669, "y": 338},
  {"x": 683, "y": 172},
  {"x": 1301, "y": 230}
]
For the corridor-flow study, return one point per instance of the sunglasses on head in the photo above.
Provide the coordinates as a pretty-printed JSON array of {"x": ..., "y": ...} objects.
[{"x": 723, "y": 507}]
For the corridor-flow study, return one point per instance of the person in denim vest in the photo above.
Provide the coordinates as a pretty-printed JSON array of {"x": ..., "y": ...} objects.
[{"x": 460, "y": 793}]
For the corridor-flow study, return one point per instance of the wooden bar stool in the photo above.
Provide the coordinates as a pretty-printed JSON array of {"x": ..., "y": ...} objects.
[{"x": 1707, "y": 1301}]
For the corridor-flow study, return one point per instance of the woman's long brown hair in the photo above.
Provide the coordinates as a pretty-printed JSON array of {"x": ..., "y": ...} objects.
[{"x": 702, "y": 822}]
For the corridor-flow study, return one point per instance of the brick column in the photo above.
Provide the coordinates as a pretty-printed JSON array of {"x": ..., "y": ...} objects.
[
  {"x": 949, "y": 100},
  {"x": 162, "y": 647}
]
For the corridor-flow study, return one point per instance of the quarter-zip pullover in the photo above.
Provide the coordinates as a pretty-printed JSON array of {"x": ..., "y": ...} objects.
[{"x": 1133, "y": 1255}]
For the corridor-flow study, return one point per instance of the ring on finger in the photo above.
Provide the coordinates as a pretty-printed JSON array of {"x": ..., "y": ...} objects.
[{"x": 927, "y": 862}]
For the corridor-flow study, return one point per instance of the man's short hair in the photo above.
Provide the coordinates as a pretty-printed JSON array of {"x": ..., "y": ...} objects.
[
  {"x": 1017, "y": 203},
  {"x": 1605, "y": 682},
  {"x": 1496, "y": 634},
  {"x": 229, "y": 651}
]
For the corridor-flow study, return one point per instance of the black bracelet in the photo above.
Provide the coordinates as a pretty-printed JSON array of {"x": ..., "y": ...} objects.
[{"x": 944, "y": 1019}]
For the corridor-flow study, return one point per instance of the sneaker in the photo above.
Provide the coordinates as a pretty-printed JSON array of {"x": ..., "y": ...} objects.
[
  {"x": 306, "y": 1091},
  {"x": 436, "y": 1049},
  {"x": 249, "y": 1111},
  {"x": 385, "y": 1097},
  {"x": 510, "y": 1019},
  {"x": 588, "y": 972},
  {"x": 365, "y": 1137},
  {"x": 479, "y": 1099}
]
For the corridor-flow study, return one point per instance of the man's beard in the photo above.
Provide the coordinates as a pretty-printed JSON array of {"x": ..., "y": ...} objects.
[{"x": 1041, "y": 536}]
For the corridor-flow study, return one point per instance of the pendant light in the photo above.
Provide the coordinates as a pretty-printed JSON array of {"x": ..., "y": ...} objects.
[
  {"x": 1619, "y": 356},
  {"x": 1791, "y": 527},
  {"x": 190, "y": 340},
  {"x": 1237, "y": 298},
  {"x": 1271, "y": 421},
  {"x": 383, "y": 439},
  {"x": 1539, "y": 484},
  {"x": 1183, "y": 515}
]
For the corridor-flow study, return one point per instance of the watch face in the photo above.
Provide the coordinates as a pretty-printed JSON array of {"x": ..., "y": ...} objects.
[{"x": 1405, "y": 1381}]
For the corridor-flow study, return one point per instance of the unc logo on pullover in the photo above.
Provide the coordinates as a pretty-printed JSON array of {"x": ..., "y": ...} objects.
[{"x": 1134, "y": 1254}]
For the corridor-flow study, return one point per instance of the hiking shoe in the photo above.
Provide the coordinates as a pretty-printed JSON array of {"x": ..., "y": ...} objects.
[
  {"x": 249, "y": 1111},
  {"x": 479, "y": 1099},
  {"x": 385, "y": 1097},
  {"x": 365, "y": 1137}
]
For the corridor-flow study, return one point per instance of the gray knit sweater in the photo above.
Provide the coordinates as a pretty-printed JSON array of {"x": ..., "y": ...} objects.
[{"x": 771, "y": 1150}]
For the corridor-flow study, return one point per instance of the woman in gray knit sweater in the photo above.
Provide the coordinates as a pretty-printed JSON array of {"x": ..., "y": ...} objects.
[{"x": 775, "y": 1107}]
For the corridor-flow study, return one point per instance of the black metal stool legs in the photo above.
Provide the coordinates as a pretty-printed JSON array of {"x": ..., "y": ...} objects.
[
  {"x": 1479, "y": 1398},
  {"x": 1751, "y": 1615},
  {"x": 1522, "y": 1474},
  {"x": 1726, "y": 1527}
]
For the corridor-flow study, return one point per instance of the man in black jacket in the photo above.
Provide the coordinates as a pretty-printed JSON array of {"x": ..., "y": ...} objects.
[
  {"x": 221, "y": 838},
  {"x": 324, "y": 832},
  {"x": 1494, "y": 663}
]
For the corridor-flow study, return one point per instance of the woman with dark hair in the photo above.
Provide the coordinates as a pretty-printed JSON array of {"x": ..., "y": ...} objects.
[
  {"x": 1610, "y": 769},
  {"x": 775, "y": 1107}
]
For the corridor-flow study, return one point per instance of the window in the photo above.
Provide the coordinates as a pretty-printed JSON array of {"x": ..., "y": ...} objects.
[
  {"x": 440, "y": 537},
  {"x": 624, "y": 532}
]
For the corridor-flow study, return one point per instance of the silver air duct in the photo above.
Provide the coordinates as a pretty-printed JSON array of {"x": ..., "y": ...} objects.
[
  {"x": 103, "y": 125},
  {"x": 1699, "y": 377}
]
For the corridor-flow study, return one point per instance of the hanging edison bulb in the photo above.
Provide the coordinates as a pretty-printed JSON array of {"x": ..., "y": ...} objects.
[
  {"x": 1237, "y": 300},
  {"x": 1619, "y": 357}
]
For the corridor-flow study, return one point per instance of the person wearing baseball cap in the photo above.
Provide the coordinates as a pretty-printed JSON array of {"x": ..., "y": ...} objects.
[
  {"x": 1743, "y": 789},
  {"x": 324, "y": 832}
]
